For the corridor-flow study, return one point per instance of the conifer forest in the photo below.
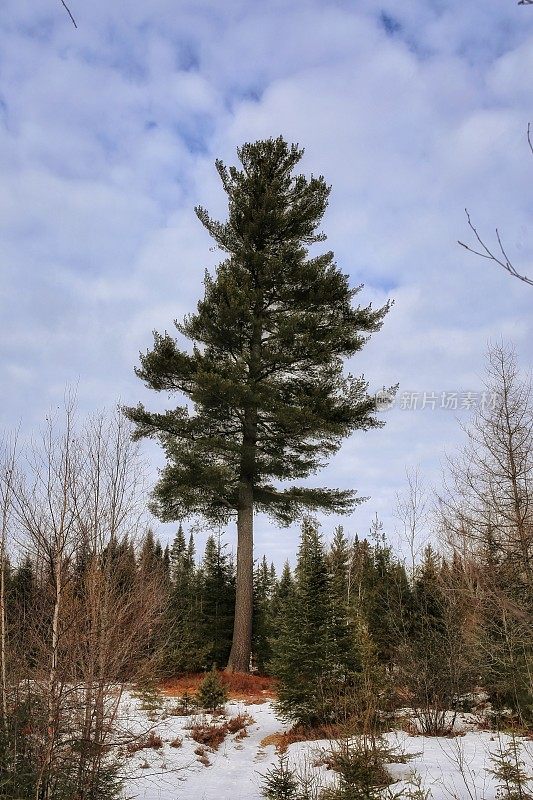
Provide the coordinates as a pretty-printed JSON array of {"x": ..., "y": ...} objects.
[{"x": 266, "y": 447}]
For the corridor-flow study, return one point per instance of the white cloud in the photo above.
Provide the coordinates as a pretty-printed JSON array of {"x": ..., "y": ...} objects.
[{"x": 108, "y": 135}]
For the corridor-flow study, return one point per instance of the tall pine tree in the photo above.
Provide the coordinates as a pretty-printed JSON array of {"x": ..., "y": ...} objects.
[{"x": 265, "y": 381}]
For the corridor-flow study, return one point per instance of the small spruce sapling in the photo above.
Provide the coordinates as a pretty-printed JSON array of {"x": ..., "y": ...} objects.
[
  {"x": 212, "y": 695},
  {"x": 514, "y": 783},
  {"x": 280, "y": 782},
  {"x": 149, "y": 698},
  {"x": 361, "y": 767},
  {"x": 415, "y": 789}
]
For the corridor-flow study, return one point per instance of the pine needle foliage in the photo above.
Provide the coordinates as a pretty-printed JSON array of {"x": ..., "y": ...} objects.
[
  {"x": 269, "y": 339},
  {"x": 361, "y": 767},
  {"x": 314, "y": 660}
]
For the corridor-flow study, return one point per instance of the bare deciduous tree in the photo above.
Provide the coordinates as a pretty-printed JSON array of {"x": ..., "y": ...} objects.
[
  {"x": 7, "y": 477},
  {"x": 487, "y": 520},
  {"x": 412, "y": 512},
  {"x": 78, "y": 502}
]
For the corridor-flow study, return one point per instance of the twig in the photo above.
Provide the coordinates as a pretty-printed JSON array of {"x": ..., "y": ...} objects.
[
  {"x": 502, "y": 259},
  {"x": 485, "y": 252},
  {"x": 67, "y": 9}
]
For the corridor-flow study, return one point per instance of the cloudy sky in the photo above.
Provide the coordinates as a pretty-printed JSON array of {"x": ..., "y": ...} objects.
[{"x": 412, "y": 110}]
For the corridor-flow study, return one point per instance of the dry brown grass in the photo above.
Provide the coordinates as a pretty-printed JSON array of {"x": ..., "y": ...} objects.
[
  {"x": 152, "y": 742},
  {"x": 239, "y": 686},
  {"x": 239, "y": 723},
  {"x": 201, "y": 752},
  {"x": 301, "y": 734},
  {"x": 209, "y": 735},
  {"x": 177, "y": 742}
]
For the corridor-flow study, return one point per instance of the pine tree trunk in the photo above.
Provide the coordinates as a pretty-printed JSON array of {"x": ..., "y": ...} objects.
[{"x": 241, "y": 648}]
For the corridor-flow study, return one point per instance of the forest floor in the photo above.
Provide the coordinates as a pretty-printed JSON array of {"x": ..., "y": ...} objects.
[
  {"x": 167, "y": 763},
  {"x": 247, "y": 688}
]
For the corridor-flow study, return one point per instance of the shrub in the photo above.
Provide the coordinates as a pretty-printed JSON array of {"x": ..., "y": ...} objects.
[
  {"x": 150, "y": 742},
  {"x": 177, "y": 742},
  {"x": 239, "y": 723},
  {"x": 149, "y": 698},
  {"x": 186, "y": 705},
  {"x": 201, "y": 752},
  {"x": 415, "y": 788}
]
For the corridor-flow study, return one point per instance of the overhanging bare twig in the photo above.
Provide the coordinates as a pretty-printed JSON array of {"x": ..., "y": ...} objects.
[
  {"x": 485, "y": 252},
  {"x": 500, "y": 258},
  {"x": 67, "y": 9}
]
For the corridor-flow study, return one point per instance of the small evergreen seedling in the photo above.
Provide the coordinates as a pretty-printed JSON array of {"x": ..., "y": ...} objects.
[
  {"x": 188, "y": 702},
  {"x": 150, "y": 699},
  {"x": 211, "y": 694},
  {"x": 361, "y": 767},
  {"x": 415, "y": 789},
  {"x": 280, "y": 782},
  {"x": 509, "y": 770}
]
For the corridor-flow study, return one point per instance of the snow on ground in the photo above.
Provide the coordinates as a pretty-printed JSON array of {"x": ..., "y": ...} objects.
[
  {"x": 175, "y": 773},
  {"x": 451, "y": 768}
]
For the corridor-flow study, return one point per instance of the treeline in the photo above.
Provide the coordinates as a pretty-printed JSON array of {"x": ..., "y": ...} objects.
[
  {"x": 90, "y": 600},
  {"x": 351, "y": 633},
  {"x": 359, "y": 635}
]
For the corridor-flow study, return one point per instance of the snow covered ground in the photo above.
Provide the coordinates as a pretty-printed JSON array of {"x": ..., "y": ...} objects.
[{"x": 451, "y": 768}]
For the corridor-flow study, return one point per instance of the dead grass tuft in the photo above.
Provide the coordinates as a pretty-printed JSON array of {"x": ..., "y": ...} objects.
[
  {"x": 201, "y": 752},
  {"x": 239, "y": 723},
  {"x": 150, "y": 742},
  {"x": 299, "y": 733},
  {"x": 209, "y": 735}
]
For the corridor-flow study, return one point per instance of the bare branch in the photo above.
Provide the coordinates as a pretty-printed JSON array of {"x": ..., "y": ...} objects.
[
  {"x": 503, "y": 259},
  {"x": 485, "y": 252},
  {"x": 67, "y": 9}
]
